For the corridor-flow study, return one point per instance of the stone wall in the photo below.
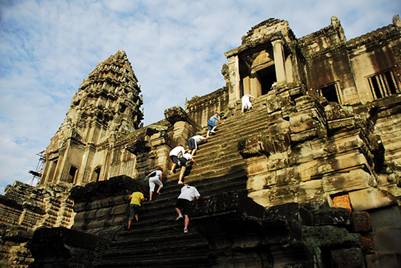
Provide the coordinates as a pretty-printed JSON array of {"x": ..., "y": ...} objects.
[
  {"x": 23, "y": 209},
  {"x": 201, "y": 108},
  {"x": 318, "y": 151}
]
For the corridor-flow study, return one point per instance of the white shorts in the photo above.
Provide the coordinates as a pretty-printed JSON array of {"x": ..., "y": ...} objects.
[{"x": 152, "y": 183}]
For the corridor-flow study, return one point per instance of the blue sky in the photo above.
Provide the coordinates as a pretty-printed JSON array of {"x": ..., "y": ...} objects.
[{"x": 175, "y": 47}]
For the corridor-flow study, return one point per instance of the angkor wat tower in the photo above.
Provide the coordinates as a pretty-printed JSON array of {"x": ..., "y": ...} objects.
[
  {"x": 309, "y": 177},
  {"x": 107, "y": 105}
]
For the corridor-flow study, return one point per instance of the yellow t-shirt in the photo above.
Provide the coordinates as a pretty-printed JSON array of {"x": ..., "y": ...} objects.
[{"x": 136, "y": 198}]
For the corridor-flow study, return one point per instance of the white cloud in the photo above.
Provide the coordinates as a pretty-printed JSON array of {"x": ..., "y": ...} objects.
[{"x": 175, "y": 47}]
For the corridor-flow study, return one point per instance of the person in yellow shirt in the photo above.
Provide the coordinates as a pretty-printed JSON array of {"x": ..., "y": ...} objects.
[{"x": 134, "y": 207}]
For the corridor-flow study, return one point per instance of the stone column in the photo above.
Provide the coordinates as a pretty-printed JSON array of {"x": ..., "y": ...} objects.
[
  {"x": 256, "y": 87},
  {"x": 278, "y": 51},
  {"x": 234, "y": 80}
]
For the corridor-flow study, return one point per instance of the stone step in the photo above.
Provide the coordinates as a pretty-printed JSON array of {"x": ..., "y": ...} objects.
[
  {"x": 141, "y": 242},
  {"x": 198, "y": 258},
  {"x": 230, "y": 143},
  {"x": 241, "y": 120},
  {"x": 229, "y": 139},
  {"x": 170, "y": 194}
]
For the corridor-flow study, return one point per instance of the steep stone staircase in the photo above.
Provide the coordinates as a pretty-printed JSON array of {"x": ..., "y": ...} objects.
[{"x": 158, "y": 240}]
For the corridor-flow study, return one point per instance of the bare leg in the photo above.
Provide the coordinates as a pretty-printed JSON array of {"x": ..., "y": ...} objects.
[
  {"x": 129, "y": 224},
  {"x": 213, "y": 129},
  {"x": 193, "y": 152},
  {"x": 158, "y": 189},
  {"x": 183, "y": 168},
  {"x": 173, "y": 167},
  {"x": 186, "y": 223},
  {"x": 136, "y": 217},
  {"x": 178, "y": 213},
  {"x": 150, "y": 195},
  {"x": 207, "y": 134}
]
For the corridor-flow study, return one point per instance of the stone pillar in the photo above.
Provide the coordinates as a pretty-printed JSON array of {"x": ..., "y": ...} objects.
[
  {"x": 234, "y": 80},
  {"x": 246, "y": 83},
  {"x": 182, "y": 131},
  {"x": 278, "y": 51},
  {"x": 256, "y": 87}
]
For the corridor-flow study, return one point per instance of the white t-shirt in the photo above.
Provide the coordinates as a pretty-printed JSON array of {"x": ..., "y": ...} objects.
[
  {"x": 198, "y": 138},
  {"x": 157, "y": 173},
  {"x": 189, "y": 193},
  {"x": 246, "y": 101},
  {"x": 177, "y": 150},
  {"x": 187, "y": 156}
]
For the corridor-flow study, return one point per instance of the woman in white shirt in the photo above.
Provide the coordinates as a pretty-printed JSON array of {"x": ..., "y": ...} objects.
[
  {"x": 246, "y": 102},
  {"x": 155, "y": 178}
]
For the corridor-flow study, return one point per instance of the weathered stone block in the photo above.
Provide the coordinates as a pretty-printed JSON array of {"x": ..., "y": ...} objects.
[
  {"x": 301, "y": 122},
  {"x": 286, "y": 176},
  {"x": 332, "y": 216},
  {"x": 277, "y": 161},
  {"x": 381, "y": 260},
  {"x": 304, "y": 135},
  {"x": 310, "y": 190},
  {"x": 339, "y": 162},
  {"x": 370, "y": 198},
  {"x": 346, "y": 181},
  {"x": 307, "y": 170},
  {"x": 120, "y": 209},
  {"x": 388, "y": 240},
  {"x": 341, "y": 123},
  {"x": 256, "y": 165},
  {"x": 347, "y": 258},
  {"x": 367, "y": 243},
  {"x": 261, "y": 197},
  {"x": 361, "y": 222},
  {"x": 103, "y": 212}
]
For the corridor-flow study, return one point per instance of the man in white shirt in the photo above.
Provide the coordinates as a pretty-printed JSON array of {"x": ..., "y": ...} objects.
[
  {"x": 194, "y": 141},
  {"x": 246, "y": 102},
  {"x": 183, "y": 205},
  {"x": 175, "y": 155}
]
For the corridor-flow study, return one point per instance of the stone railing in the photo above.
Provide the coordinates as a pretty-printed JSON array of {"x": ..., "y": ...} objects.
[{"x": 201, "y": 108}]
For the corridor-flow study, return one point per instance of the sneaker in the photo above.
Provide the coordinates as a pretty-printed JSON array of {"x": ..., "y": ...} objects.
[
  {"x": 185, "y": 230},
  {"x": 179, "y": 217}
]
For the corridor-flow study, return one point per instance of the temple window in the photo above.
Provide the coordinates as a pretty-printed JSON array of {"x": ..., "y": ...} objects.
[
  {"x": 383, "y": 84},
  {"x": 96, "y": 174},
  {"x": 71, "y": 174},
  {"x": 330, "y": 92},
  {"x": 53, "y": 166}
]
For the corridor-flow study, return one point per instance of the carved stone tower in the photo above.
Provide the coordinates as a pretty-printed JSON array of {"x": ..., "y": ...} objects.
[{"x": 107, "y": 102}]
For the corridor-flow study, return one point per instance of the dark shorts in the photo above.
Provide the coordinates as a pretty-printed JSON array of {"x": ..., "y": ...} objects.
[
  {"x": 210, "y": 127},
  {"x": 174, "y": 159},
  {"x": 133, "y": 209},
  {"x": 179, "y": 161},
  {"x": 191, "y": 143},
  {"x": 184, "y": 205}
]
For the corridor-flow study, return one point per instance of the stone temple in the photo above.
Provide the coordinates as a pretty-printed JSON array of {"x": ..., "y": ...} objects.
[{"x": 310, "y": 177}]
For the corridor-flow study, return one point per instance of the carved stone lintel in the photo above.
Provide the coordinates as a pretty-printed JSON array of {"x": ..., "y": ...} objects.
[{"x": 176, "y": 114}]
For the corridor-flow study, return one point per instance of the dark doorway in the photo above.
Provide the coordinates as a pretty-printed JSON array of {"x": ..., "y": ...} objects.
[
  {"x": 330, "y": 93},
  {"x": 71, "y": 174},
  {"x": 96, "y": 174},
  {"x": 266, "y": 77},
  {"x": 53, "y": 166}
]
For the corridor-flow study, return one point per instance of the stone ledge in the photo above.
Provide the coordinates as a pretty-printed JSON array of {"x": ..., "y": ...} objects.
[{"x": 119, "y": 185}]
